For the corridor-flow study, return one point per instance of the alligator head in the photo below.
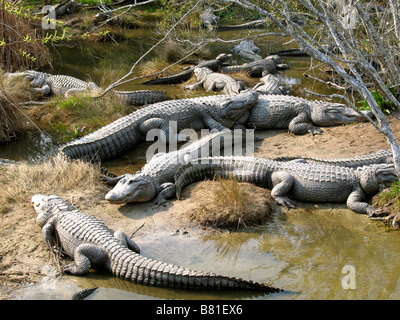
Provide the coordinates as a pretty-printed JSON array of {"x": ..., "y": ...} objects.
[
  {"x": 376, "y": 177},
  {"x": 228, "y": 111},
  {"x": 132, "y": 188},
  {"x": 223, "y": 57},
  {"x": 44, "y": 207},
  {"x": 326, "y": 115}
]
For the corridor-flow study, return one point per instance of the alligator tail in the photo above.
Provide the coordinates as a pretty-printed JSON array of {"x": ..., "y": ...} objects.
[
  {"x": 231, "y": 69},
  {"x": 139, "y": 269},
  {"x": 178, "y": 78},
  {"x": 244, "y": 169},
  {"x": 142, "y": 97},
  {"x": 101, "y": 145}
]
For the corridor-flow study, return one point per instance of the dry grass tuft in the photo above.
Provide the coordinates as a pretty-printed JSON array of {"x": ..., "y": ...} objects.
[
  {"x": 18, "y": 53},
  {"x": 20, "y": 182},
  {"x": 229, "y": 204}
]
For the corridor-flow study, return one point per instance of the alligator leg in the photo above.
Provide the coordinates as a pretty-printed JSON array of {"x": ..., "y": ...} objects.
[
  {"x": 282, "y": 182},
  {"x": 194, "y": 86},
  {"x": 86, "y": 255},
  {"x": 112, "y": 181},
  {"x": 126, "y": 241},
  {"x": 163, "y": 125},
  {"x": 213, "y": 124},
  {"x": 45, "y": 90},
  {"x": 301, "y": 125},
  {"x": 168, "y": 191},
  {"x": 355, "y": 203}
]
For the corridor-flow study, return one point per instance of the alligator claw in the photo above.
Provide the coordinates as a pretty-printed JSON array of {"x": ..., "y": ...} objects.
[
  {"x": 377, "y": 212},
  {"x": 314, "y": 130}
]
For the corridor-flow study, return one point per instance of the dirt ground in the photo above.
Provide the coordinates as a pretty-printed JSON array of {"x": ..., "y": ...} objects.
[{"x": 23, "y": 254}]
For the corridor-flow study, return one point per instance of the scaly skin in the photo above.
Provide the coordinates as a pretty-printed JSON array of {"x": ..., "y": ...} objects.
[
  {"x": 214, "y": 81},
  {"x": 183, "y": 76},
  {"x": 290, "y": 181},
  {"x": 299, "y": 115},
  {"x": 91, "y": 244},
  {"x": 66, "y": 86},
  {"x": 156, "y": 178},
  {"x": 381, "y": 156},
  {"x": 115, "y": 139},
  {"x": 259, "y": 68}
]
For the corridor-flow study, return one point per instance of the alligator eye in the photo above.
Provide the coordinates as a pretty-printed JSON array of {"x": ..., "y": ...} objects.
[{"x": 131, "y": 181}]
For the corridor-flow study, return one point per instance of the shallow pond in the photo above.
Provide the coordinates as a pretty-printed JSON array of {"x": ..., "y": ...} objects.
[{"x": 314, "y": 252}]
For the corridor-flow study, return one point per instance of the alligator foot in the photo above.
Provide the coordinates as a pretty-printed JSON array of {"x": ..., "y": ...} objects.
[
  {"x": 314, "y": 130},
  {"x": 286, "y": 202},
  {"x": 377, "y": 212},
  {"x": 393, "y": 219}
]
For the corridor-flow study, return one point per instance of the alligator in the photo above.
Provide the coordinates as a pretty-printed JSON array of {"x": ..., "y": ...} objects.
[
  {"x": 247, "y": 50},
  {"x": 156, "y": 178},
  {"x": 214, "y": 81},
  {"x": 68, "y": 6},
  {"x": 209, "y": 20},
  {"x": 214, "y": 112},
  {"x": 381, "y": 156},
  {"x": 290, "y": 181},
  {"x": 299, "y": 115},
  {"x": 142, "y": 97},
  {"x": 259, "y": 68},
  {"x": 215, "y": 65},
  {"x": 270, "y": 85},
  {"x": 92, "y": 244},
  {"x": 47, "y": 84}
]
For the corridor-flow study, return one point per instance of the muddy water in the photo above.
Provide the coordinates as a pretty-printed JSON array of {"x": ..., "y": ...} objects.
[{"x": 314, "y": 252}]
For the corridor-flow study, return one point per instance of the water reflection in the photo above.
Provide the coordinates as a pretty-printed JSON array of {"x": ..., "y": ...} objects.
[{"x": 33, "y": 146}]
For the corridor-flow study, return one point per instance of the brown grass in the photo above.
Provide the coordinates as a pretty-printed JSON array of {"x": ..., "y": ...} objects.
[
  {"x": 20, "y": 182},
  {"x": 227, "y": 203},
  {"x": 18, "y": 54}
]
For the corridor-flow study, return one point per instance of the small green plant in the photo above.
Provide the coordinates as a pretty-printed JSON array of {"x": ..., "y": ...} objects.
[
  {"x": 384, "y": 105},
  {"x": 75, "y": 134},
  {"x": 390, "y": 196}
]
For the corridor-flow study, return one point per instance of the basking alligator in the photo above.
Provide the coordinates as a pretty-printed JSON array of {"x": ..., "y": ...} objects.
[
  {"x": 113, "y": 140},
  {"x": 214, "y": 81},
  {"x": 93, "y": 245},
  {"x": 270, "y": 85},
  {"x": 299, "y": 115},
  {"x": 47, "y": 84},
  {"x": 247, "y": 50},
  {"x": 381, "y": 156},
  {"x": 214, "y": 65},
  {"x": 259, "y": 68},
  {"x": 298, "y": 181},
  {"x": 156, "y": 178}
]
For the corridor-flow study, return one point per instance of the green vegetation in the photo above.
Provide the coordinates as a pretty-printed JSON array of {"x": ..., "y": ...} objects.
[{"x": 386, "y": 106}]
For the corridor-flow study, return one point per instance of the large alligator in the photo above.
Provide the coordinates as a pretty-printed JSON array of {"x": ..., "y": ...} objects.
[
  {"x": 381, "y": 156},
  {"x": 214, "y": 81},
  {"x": 156, "y": 178},
  {"x": 48, "y": 84},
  {"x": 214, "y": 112},
  {"x": 299, "y": 115},
  {"x": 92, "y": 244},
  {"x": 259, "y": 68},
  {"x": 291, "y": 181},
  {"x": 215, "y": 65}
]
